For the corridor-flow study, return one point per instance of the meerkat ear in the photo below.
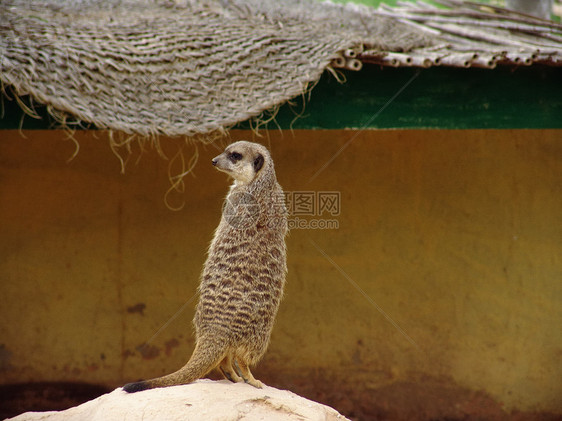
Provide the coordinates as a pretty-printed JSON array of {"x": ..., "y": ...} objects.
[{"x": 258, "y": 163}]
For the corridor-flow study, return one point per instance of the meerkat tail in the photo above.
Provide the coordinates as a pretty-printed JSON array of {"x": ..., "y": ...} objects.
[{"x": 203, "y": 360}]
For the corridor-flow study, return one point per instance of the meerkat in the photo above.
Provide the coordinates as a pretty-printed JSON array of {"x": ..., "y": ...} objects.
[{"x": 243, "y": 277}]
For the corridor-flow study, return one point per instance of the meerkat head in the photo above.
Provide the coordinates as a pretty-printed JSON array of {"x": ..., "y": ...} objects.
[{"x": 244, "y": 161}]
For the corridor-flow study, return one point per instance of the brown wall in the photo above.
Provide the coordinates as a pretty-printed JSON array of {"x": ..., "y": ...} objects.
[{"x": 445, "y": 271}]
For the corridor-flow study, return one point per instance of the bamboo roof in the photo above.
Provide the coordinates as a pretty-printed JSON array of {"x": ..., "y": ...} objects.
[
  {"x": 468, "y": 34},
  {"x": 194, "y": 67}
]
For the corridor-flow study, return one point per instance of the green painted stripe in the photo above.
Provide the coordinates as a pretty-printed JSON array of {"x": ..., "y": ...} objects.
[
  {"x": 434, "y": 98},
  {"x": 526, "y": 97}
]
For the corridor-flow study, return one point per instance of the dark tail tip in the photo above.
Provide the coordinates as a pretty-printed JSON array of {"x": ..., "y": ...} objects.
[{"x": 136, "y": 387}]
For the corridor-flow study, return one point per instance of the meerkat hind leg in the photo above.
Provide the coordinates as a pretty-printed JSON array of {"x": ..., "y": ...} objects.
[
  {"x": 228, "y": 371},
  {"x": 244, "y": 372}
]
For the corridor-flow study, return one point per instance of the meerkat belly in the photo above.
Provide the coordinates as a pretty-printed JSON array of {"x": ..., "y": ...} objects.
[{"x": 241, "y": 290}]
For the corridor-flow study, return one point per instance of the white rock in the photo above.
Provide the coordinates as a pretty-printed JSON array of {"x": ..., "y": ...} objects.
[{"x": 202, "y": 400}]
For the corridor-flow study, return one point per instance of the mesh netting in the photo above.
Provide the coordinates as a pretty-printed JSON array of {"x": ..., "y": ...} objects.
[{"x": 183, "y": 67}]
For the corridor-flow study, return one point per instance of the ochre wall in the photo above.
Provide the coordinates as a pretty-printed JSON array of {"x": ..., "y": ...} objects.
[{"x": 445, "y": 271}]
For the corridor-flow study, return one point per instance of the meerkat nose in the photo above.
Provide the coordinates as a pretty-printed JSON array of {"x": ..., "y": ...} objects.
[{"x": 214, "y": 161}]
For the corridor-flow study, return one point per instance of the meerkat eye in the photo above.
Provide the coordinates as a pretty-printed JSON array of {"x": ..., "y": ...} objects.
[{"x": 234, "y": 156}]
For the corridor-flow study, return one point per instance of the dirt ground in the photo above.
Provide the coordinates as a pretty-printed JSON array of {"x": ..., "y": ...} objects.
[
  {"x": 19, "y": 398},
  {"x": 424, "y": 400},
  {"x": 432, "y": 401}
]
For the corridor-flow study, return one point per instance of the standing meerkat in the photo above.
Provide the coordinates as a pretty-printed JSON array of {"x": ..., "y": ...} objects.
[{"x": 244, "y": 274}]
